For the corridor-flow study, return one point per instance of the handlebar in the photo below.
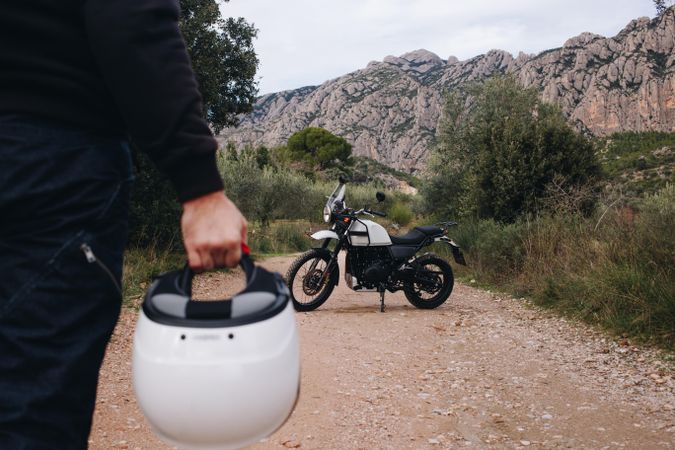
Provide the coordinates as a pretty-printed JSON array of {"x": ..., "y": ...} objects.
[{"x": 358, "y": 212}]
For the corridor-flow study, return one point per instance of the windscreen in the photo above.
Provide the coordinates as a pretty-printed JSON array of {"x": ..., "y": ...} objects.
[{"x": 337, "y": 197}]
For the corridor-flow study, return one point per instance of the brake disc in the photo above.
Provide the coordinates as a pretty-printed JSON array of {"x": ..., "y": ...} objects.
[{"x": 312, "y": 283}]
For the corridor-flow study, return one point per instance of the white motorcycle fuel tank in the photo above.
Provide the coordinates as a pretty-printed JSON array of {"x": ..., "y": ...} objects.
[{"x": 366, "y": 233}]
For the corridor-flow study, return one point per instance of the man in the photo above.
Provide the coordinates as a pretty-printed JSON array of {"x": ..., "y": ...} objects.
[{"x": 76, "y": 78}]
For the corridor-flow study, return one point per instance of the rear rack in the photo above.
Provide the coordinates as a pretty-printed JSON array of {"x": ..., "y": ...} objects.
[{"x": 446, "y": 224}]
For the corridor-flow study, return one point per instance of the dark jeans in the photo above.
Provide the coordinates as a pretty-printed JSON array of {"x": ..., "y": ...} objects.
[{"x": 59, "y": 188}]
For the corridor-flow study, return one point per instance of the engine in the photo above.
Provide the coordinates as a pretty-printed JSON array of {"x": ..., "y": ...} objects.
[{"x": 370, "y": 265}]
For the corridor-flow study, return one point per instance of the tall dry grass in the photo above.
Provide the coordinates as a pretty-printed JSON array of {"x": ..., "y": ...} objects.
[{"x": 616, "y": 269}]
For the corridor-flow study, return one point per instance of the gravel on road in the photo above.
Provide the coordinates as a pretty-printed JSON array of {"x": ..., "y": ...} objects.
[{"x": 483, "y": 371}]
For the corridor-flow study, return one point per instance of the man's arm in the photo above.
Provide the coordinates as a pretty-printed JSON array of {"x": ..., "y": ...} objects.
[{"x": 145, "y": 63}]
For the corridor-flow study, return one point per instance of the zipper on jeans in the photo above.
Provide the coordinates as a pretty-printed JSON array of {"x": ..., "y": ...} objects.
[{"x": 91, "y": 259}]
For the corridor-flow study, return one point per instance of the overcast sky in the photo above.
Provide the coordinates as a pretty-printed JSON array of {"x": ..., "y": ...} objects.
[{"x": 306, "y": 42}]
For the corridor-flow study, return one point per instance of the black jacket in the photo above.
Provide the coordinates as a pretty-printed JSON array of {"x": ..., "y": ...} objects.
[{"x": 111, "y": 66}]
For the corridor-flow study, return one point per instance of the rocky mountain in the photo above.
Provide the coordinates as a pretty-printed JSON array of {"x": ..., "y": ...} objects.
[{"x": 390, "y": 109}]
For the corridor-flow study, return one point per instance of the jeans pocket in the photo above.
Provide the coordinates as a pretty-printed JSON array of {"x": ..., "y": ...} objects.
[
  {"x": 60, "y": 263},
  {"x": 37, "y": 274}
]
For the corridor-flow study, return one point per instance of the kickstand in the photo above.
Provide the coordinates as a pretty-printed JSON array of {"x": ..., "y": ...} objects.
[{"x": 381, "y": 299}]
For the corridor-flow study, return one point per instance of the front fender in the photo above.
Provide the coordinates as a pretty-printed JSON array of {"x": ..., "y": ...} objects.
[{"x": 325, "y": 234}]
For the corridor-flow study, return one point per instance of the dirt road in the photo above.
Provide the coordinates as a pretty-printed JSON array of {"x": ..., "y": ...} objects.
[{"x": 481, "y": 371}]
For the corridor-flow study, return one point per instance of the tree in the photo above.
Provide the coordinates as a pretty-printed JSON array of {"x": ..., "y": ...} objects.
[
  {"x": 278, "y": 193},
  {"x": 501, "y": 148},
  {"x": 223, "y": 58},
  {"x": 661, "y": 6},
  {"x": 319, "y": 148},
  {"x": 225, "y": 64}
]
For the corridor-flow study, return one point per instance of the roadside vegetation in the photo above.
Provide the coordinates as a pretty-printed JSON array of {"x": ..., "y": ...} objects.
[
  {"x": 613, "y": 268},
  {"x": 282, "y": 197},
  {"x": 637, "y": 164},
  {"x": 583, "y": 226},
  {"x": 575, "y": 225}
]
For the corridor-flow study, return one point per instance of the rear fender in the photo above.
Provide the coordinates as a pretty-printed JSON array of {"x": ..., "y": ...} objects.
[{"x": 456, "y": 251}]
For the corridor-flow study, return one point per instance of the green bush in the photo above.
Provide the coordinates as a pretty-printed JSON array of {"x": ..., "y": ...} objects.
[
  {"x": 500, "y": 157},
  {"x": 142, "y": 264},
  {"x": 280, "y": 237},
  {"x": 266, "y": 194},
  {"x": 614, "y": 269},
  {"x": 319, "y": 148},
  {"x": 262, "y": 192},
  {"x": 655, "y": 229},
  {"x": 154, "y": 214},
  {"x": 495, "y": 250},
  {"x": 399, "y": 213}
]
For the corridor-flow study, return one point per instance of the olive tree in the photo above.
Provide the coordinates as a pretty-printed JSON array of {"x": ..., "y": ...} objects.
[
  {"x": 499, "y": 150},
  {"x": 319, "y": 148}
]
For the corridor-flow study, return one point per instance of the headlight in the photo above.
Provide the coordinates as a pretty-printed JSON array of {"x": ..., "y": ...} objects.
[{"x": 326, "y": 214}]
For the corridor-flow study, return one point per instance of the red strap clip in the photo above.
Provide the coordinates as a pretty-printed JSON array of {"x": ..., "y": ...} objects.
[{"x": 245, "y": 249}]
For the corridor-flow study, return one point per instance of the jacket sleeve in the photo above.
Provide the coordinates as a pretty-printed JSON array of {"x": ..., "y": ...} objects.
[{"x": 145, "y": 64}]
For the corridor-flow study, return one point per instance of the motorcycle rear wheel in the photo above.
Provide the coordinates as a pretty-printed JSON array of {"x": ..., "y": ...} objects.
[
  {"x": 433, "y": 284},
  {"x": 308, "y": 282}
]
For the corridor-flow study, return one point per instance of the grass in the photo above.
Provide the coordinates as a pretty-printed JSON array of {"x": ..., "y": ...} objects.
[
  {"x": 141, "y": 265},
  {"x": 638, "y": 164},
  {"x": 617, "y": 271},
  {"x": 281, "y": 237},
  {"x": 367, "y": 168},
  {"x": 615, "y": 268}
]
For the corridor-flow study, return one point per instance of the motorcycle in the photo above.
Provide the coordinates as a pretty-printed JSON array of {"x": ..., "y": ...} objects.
[{"x": 375, "y": 260}]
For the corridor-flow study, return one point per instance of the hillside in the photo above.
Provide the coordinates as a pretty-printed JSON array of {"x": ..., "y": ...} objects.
[
  {"x": 638, "y": 164},
  {"x": 390, "y": 109}
]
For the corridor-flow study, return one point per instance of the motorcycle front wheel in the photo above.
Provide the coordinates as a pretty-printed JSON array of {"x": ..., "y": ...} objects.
[
  {"x": 309, "y": 281},
  {"x": 432, "y": 284}
]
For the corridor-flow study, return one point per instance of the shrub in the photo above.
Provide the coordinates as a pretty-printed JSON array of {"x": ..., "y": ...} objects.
[
  {"x": 399, "y": 213},
  {"x": 154, "y": 214},
  {"x": 266, "y": 194},
  {"x": 280, "y": 237},
  {"x": 616, "y": 272},
  {"x": 495, "y": 251},
  {"x": 142, "y": 264},
  {"x": 496, "y": 158},
  {"x": 319, "y": 148}
]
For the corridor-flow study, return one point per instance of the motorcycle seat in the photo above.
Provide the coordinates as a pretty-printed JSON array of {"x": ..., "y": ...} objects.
[
  {"x": 412, "y": 237},
  {"x": 430, "y": 230},
  {"x": 417, "y": 235}
]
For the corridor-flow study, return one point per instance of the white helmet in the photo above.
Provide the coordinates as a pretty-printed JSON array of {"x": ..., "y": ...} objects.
[{"x": 218, "y": 374}]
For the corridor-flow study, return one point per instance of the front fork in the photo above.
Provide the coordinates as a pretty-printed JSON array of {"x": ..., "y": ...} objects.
[{"x": 333, "y": 259}]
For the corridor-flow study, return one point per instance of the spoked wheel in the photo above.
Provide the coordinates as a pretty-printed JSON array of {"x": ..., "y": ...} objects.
[
  {"x": 432, "y": 285},
  {"x": 309, "y": 281}
]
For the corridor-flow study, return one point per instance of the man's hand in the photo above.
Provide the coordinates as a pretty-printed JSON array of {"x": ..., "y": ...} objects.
[{"x": 213, "y": 230}]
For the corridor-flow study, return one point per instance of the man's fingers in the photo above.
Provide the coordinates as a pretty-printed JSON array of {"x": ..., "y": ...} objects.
[
  {"x": 232, "y": 257},
  {"x": 194, "y": 260},
  {"x": 207, "y": 260},
  {"x": 212, "y": 255},
  {"x": 219, "y": 257}
]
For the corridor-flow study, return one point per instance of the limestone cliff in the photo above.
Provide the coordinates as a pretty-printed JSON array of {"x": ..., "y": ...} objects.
[{"x": 390, "y": 109}]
